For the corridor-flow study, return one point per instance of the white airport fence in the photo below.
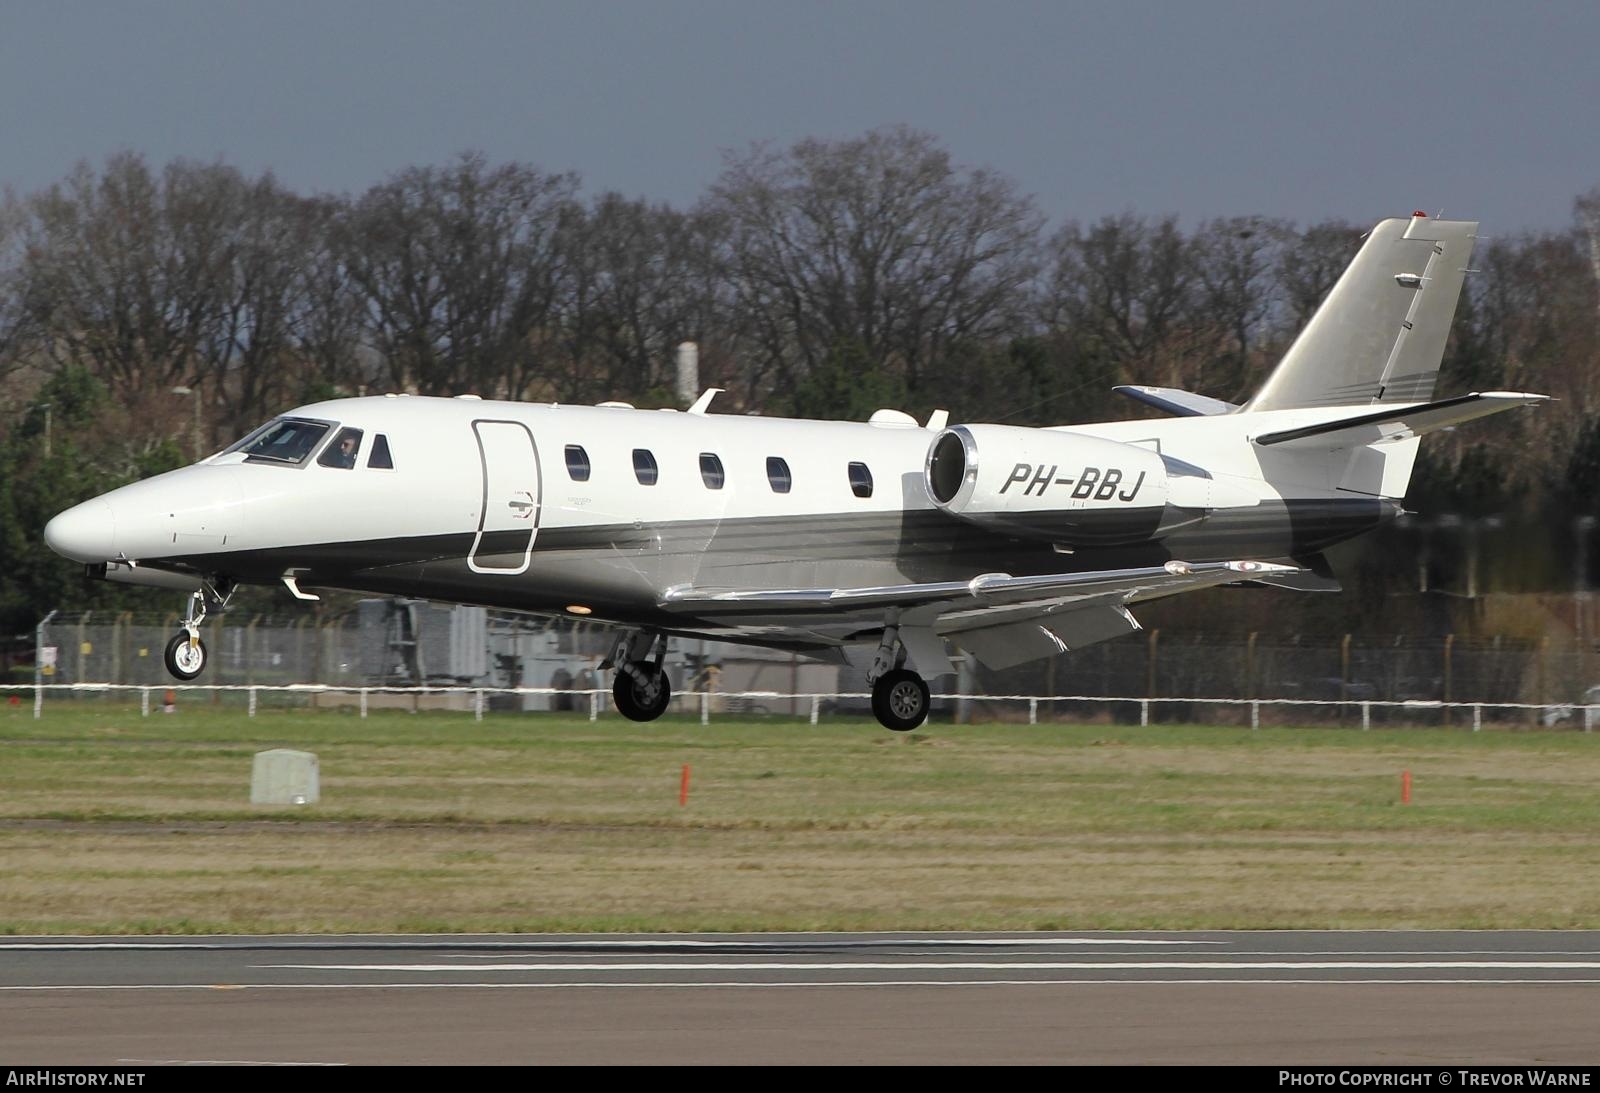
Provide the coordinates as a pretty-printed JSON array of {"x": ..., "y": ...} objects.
[{"x": 743, "y": 704}]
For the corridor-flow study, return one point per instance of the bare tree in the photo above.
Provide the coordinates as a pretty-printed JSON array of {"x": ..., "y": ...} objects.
[
  {"x": 1310, "y": 261},
  {"x": 14, "y": 310},
  {"x": 451, "y": 265},
  {"x": 121, "y": 274},
  {"x": 1235, "y": 260},
  {"x": 1125, "y": 289},
  {"x": 326, "y": 324},
  {"x": 879, "y": 243},
  {"x": 642, "y": 282}
]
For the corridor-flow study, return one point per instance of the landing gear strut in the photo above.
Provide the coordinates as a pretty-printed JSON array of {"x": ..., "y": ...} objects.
[
  {"x": 185, "y": 654},
  {"x": 900, "y": 697},
  {"x": 641, "y": 691}
]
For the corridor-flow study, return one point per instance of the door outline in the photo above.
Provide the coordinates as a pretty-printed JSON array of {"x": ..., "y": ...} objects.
[{"x": 517, "y": 493}]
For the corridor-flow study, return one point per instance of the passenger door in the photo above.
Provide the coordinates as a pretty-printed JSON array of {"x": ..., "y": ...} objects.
[{"x": 508, "y": 519}]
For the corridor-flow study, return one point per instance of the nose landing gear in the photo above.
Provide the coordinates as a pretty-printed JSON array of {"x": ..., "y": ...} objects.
[{"x": 185, "y": 655}]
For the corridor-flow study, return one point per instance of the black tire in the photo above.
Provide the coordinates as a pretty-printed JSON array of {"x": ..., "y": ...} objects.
[
  {"x": 184, "y": 661},
  {"x": 900, "y": 700},
  {"x": 646, "y": 702}
]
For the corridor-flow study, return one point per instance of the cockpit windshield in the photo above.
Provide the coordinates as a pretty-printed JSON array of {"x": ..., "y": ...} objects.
[{"x": 288, "y": 440}]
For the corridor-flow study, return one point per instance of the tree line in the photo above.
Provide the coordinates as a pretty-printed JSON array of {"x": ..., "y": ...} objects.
[{"x": 147, "y": 311}]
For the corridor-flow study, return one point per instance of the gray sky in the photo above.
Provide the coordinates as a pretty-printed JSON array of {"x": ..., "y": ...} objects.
[{"x": 1307, "y": 111}]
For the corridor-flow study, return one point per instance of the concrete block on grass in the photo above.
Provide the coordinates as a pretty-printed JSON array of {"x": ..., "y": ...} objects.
[{"x": 284, "y": 777}]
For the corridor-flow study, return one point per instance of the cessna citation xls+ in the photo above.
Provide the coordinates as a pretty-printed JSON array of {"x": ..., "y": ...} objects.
[{"x": 874, "y": 543}]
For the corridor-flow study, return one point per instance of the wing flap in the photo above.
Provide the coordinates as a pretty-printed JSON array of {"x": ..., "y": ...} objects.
[{"x": 1012, "y": 643}]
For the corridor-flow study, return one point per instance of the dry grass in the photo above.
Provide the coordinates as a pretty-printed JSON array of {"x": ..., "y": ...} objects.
[{"x": 110, "y": 822}]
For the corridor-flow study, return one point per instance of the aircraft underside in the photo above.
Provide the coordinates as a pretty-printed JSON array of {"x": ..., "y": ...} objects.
[{"x": 634, "y": 577}]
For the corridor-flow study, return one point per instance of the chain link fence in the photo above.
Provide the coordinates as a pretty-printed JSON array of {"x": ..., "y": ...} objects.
[{"x": 1181, "y": 676}]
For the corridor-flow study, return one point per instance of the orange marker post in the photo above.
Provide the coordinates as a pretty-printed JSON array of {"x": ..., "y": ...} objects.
[
  {"x": 683, "y": 787},
  {"x": 1405, "y": 787}
]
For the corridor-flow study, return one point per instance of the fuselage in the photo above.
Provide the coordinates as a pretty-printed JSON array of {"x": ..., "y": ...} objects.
[{"x": 602, "y": 510}]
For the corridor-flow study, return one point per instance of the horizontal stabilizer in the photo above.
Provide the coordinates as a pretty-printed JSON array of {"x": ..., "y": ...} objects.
[
  {"x": 1170, "y": 400},
  {"x": 1400, "y": 423}
]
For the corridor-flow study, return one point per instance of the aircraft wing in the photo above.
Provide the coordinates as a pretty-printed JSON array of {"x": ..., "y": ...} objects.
[
  {"x": 986, "y": 590},
  {"x": 1003, "y": 619}
]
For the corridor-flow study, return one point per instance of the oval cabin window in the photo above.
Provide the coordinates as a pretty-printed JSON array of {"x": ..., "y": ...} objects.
[
  {"x": 778, "y": 475},
  {"x": 577, "y": 463},
  {"x": 711, "y": 470}
]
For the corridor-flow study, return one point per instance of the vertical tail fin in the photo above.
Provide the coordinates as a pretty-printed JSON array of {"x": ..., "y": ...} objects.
[{"x": 1380, "y": 334}]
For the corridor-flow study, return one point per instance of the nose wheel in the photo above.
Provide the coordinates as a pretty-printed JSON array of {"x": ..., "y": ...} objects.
[{"x": 185, "y": 656}]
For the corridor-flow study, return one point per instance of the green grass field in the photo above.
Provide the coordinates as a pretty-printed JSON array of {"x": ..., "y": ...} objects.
[{"x": 110, "y": 822}]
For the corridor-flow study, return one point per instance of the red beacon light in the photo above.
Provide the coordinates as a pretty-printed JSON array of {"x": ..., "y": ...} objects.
[{"x": 1420, "y": 213}]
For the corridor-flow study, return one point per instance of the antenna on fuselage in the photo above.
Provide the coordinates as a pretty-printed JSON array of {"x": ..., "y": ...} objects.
[{"x": 703, "y": 403}]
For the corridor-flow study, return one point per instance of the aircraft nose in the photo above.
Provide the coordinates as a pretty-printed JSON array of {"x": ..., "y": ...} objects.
[{"x": 84, "y": 533}]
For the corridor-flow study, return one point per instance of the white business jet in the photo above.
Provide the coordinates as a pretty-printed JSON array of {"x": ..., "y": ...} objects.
[{"x": 872, "y": 543}]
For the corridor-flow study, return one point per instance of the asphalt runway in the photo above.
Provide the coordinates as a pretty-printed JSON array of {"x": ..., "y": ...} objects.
[{"x": 1429, "y": 998}]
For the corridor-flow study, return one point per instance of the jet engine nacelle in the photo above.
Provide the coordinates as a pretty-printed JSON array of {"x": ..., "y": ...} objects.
[{"x": 1066, "y": 487}]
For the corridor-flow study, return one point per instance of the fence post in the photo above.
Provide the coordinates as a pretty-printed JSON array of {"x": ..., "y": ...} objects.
[
  {"x": 1255, "y": 713},
  {"x": 363, "y": 702},
  {"x": 1033, "y": 711},
  {"x": 1144, "y": 712},
  {"x": 38, "y": 665},
  {"x": 1449, "y": 680},
  {"x": 705, "y": 708},
  {"x": 594, "y": 705},
  {"x": 1544, "y": 682},
  {"x": 83, "y": 658},
  {"x": 250, "y": 646},
  {"x": 1477, "y": 717},
  {"x": 252, "y": 702},
  {"x": 1366, "y": 715},
  {"x": 816, "y": 703},
  {"x": 477, "y": 704},
  {"x": 1344, "y": 679},
  {"x": 144, "y": 701}
]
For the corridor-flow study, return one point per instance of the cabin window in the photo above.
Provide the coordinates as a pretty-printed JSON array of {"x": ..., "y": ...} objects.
[
  {"x": 380, "y": 459},
  {"x": 644, "y": 467},
  {"x": 577, "y": 463},
  {"x": 287, "y": 440},
  {"x": 778, "y": 474},
  {"x": 342, "y": 452},
  {"x": 861, "y": 480},
  {"x": 711, "y": 470}
]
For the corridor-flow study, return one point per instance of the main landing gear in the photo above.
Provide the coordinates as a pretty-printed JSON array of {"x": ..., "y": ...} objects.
[
  {"x": 900, "y": 697},
  {"x": 185, "y": 654},
  {"x": 641, "y": 691}
]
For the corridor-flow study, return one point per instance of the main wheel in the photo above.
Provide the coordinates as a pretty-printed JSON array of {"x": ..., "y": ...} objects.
[
  {"x": 900, "y": 700},
  {"x": 642, "y": 702},
  {"x": 185, "y": 659}
]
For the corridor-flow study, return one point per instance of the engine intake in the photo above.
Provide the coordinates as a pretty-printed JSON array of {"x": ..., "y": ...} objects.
[{"x": 1062, "y": 486}]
